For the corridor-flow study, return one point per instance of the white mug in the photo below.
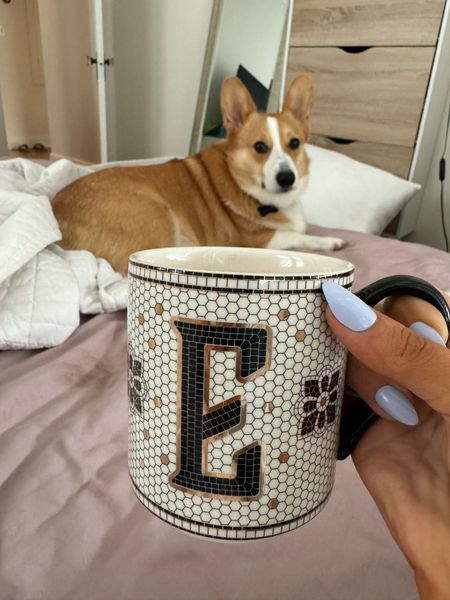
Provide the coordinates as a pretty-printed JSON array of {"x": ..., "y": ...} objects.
[{"x": 235, "y": 386}]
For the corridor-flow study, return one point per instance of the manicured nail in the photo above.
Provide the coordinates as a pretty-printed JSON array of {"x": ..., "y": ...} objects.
[
  {"x": 350, "y": 310},
  {"x": 397, "y": 405},
  {"x": 427, "y": 332}
]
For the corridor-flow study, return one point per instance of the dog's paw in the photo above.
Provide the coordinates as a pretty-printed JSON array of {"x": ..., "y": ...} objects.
[{"x": 333, "y": 243}]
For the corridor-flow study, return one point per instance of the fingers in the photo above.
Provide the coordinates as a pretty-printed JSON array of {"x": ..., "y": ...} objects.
[
  {"x": 390, "y": 349},
  {"x": 385, "y": 397},
  {"x": 409, "y": 310}
]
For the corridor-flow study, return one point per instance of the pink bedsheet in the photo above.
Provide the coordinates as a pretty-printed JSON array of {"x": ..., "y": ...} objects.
[{"x": 71, "y": 527}]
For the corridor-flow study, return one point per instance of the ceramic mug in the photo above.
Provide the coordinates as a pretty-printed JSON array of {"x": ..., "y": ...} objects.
[{"x": 235, "y": 386}]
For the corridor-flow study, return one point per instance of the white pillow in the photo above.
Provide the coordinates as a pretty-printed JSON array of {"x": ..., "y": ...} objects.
[{"x": 347, "y": 194}]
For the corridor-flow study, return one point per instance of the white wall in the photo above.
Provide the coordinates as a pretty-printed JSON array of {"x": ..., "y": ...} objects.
[
  {"x": 158, "y": 48},
  {"x": 24, "y": 98},
  {"x": 67, "y": 38},
  {"x": 429, "y": 225}
]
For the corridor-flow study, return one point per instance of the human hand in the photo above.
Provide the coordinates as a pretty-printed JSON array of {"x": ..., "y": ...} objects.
[{"x": 405, "y": 467}]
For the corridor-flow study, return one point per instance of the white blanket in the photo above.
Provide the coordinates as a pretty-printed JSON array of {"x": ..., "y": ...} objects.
[{"x": 43, "y": 288}]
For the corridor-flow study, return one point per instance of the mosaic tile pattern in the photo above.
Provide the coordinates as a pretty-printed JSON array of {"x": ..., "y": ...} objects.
[{"x": 263, "y": 379}]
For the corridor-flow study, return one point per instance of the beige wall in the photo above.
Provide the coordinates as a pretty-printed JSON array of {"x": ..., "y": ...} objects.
[
  {"x": 24, "y": 100},
  {"x": 67, "y": 39},
  {"x": 429, "y": 224}
]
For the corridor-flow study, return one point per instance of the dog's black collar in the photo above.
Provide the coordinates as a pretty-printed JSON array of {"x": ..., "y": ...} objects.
[{"x": 266, "y": 209}]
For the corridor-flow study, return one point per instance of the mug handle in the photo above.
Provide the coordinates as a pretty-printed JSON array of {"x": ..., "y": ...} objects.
[{"x": 356, "y": 422}]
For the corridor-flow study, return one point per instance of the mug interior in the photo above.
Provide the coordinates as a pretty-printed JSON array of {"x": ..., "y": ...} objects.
[{"x": 245, "y": 261}]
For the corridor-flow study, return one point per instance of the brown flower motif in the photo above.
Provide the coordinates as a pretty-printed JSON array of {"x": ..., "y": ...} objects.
[
  {"x": 319, "y": 403},
  {"x": 135, "y": 383}
]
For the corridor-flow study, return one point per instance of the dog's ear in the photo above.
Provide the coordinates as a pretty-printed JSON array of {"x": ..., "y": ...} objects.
[
  {"x": 236, "y": 104},
  {"x": 300, "y": 97}
]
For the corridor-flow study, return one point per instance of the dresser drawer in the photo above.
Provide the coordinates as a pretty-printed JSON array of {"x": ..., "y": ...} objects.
[
  {"x": 395, "y": 159},
  {"x": 366, "y": 22},
  {"x": 372, "y": 96}
]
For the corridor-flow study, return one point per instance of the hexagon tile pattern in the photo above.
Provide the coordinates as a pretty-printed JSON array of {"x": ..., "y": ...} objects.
[{"x": 291, "y": 411}]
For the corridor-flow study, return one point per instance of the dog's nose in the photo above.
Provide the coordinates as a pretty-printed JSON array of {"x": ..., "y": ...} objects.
[{"x": 285, "y": 179}]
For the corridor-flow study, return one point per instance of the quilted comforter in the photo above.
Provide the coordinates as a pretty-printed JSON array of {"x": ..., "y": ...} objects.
[{"x": 43, "y": 289}]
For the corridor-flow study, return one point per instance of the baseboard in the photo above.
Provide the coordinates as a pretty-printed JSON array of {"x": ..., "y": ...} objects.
[{"x": 77, "y": 161}]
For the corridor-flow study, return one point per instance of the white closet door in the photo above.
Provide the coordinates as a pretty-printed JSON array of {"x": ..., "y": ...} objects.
[
  {"x": 148, "y": 92},
  {"x": 125, "y": 44},
  {"x": 3, "y": 141},
  {"x": 71, "y": 86}
]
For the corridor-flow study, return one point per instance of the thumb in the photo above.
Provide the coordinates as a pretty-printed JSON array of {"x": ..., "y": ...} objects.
[{"x": 389, "y": 348}]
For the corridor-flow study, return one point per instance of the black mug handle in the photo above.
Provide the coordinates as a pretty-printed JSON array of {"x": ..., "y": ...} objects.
[{"x": 357, "y": 420}]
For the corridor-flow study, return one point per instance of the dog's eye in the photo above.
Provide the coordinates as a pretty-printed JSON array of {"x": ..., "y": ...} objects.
[
  {"x": 260, "y": 147},
  {"x": 294, "y": 143}
]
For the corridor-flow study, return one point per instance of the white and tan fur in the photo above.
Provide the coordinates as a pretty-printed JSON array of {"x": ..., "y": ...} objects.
[{"x": 215, "y": 198}]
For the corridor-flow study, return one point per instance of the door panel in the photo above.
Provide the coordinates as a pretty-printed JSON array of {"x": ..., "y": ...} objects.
[
  {"x": 151, "y": 89},
  {"x": 67, "y": 38}
]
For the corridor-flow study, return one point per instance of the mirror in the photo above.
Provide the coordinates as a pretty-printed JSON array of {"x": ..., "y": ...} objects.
[{"x": 249, "y": 40}]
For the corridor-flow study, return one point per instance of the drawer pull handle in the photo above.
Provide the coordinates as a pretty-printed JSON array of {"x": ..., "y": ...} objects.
[
  {"x": 354, "y": 49},
  {"x": 341, "y": 141}
]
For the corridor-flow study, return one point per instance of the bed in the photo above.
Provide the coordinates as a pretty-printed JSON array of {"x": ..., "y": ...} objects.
[{"x": 71, "y": 527}]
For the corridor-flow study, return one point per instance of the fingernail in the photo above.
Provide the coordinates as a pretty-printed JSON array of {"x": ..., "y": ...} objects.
[
  {"x": 350, "y": 310},
  {"x": 427, "y": 332},
  {"x": 397, "y": 405}
]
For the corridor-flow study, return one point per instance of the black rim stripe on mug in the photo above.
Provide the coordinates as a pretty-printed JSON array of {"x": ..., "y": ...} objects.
[
  {"x": 233, "y": 275},
  {"x": 217, "y": 288}
]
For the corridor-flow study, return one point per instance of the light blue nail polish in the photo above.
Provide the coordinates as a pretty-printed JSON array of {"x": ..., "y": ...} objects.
[
  {"x": 397, "y": 405},
  {"x": 348, "y": 308},
  {"x": 427, "y": 332}
]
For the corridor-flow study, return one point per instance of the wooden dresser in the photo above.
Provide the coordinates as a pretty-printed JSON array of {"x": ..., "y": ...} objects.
[{"x": 371, "y": 62}]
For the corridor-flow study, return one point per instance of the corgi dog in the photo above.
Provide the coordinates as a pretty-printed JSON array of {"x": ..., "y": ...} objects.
[{"x": 243, "y": 191}]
